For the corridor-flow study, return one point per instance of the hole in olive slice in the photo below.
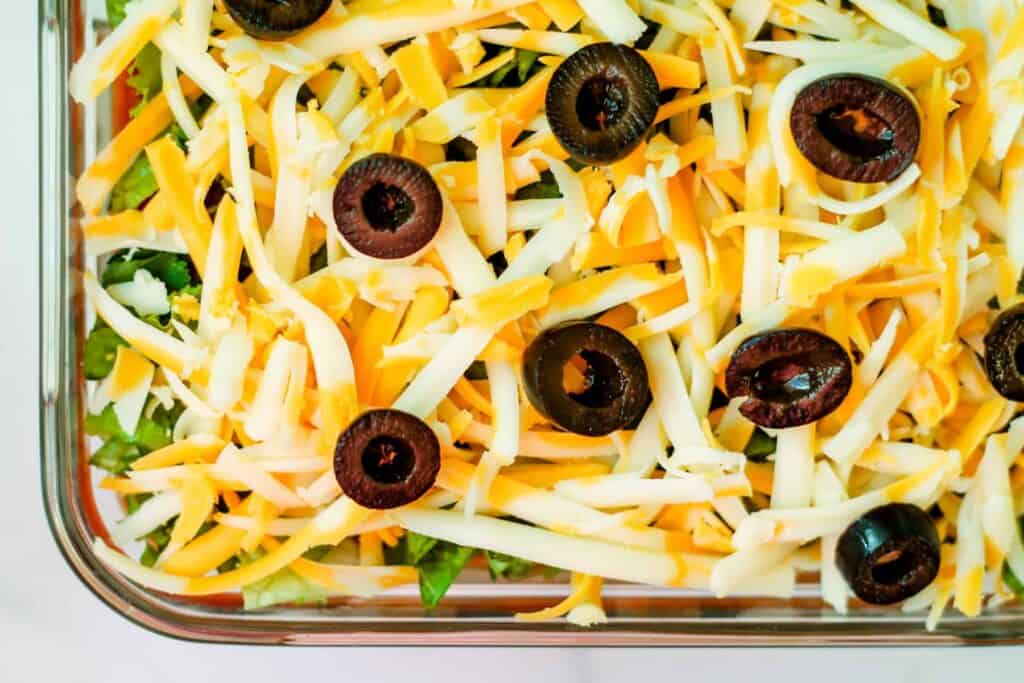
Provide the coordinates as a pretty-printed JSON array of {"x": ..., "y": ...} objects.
[
  {"x": 601, "y": 101},
  {"x": 889, "y": 554},
  {"x": 1004, "y": 353},
  {"x": 855, "y": 128},
  {"x": 602, "y": 380},
  {"x": 612, "y": 392},
  {"x": 276, "y": 19},
  {"x": 387, "y": 207},
  {"x": 386, "y": 459},
  {"x": 790, "y": 377}
]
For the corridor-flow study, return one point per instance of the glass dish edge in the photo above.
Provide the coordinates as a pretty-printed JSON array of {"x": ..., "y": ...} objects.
[{"x": 61, "y": 391}]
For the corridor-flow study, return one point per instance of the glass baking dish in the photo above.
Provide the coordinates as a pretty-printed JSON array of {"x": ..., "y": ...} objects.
[{"x": 476, "y": 611}]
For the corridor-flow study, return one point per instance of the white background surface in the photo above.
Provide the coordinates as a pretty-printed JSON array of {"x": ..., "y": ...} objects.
[{"x": 52, "y": 629}]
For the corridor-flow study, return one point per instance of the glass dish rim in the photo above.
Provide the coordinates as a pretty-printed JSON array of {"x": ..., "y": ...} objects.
[{"x": 60, "y": 302}]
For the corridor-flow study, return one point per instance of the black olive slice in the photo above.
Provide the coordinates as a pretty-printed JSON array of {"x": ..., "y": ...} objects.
[
  {"x": 790, "y": 377},
  {"x": 889, "y": 554},
  {"x": 601, "y": 101},
  {"x": 1004, "y": 353},
  {"x": 856, "y": 128},
  {"x": 615, "y": 389},
  {"x": 386, "y": 459},
  {"x": 276, "y": 19},
  {"x": 387, "y": 207}
]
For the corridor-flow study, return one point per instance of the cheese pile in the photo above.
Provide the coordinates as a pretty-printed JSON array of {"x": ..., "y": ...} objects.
[{"x": 706, "y": 234}]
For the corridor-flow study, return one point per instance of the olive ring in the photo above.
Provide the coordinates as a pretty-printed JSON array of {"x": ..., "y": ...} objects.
[
  {"x": 276, "y": 19},
  {"x": 386, "y": 459},
  {"x": 601, "y": 101},
  {"x": 615, "y": 389},
  {"x": 790, "y": 377},
  {"x": 856, "y": 127}
]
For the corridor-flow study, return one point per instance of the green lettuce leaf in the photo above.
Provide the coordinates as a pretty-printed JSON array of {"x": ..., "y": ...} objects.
[
  {"x": 545, "y": 188},
  {"x": 115, "y": 11},
  {"x": 173, "y": 269},
  {"x": 525, "y": 61},
  {"x": 133, "y": 188},
  {"x": 158, "y": 538},
  {"x": 760, "y": 446},
  {"x": 503, "y": 566},
  {"x": 195, "y": 291},
  {"x": 318, "y": 261},
  {"x": 104, "y": 425},
  {"x": 116, "y": 456},
  {"x": 282, "y": 587},
  {"x": 139, "y": 183},
  {"x": 144, "y": 74},
  {"x": 438, "y": 570},
  {"x": 496, "y": 78},
  {"x": 120, "y": 449},
  {"x": 100, "y": 351},
  {"x": 145, "y": 77},
  {"x": 1012, "y": 582},
  {"x": 152, "y": 435},
  {"x": 440, "y": 563},
  {"x": 156, "y": 541},
  {"x": 514, "y": 73},
  {"x": 417, "y": 546}
]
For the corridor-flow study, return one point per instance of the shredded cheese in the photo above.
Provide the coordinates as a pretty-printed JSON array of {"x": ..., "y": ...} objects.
[{"x": 709, "y": 231}]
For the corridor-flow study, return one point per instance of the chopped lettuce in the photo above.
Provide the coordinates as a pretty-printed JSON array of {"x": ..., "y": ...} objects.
[
  {"x": 440, "y": 563},
  {"x": 120, "y": 449},
  {"x": 525, "y": 61},
  {"x": 438, "y": 570},
  {"x": 136, "y": 186},
  {"x": 158, "y": 538},
  {"x": 280, "y": 588},
  {"x": 139, "y": 183},
  {"x": 318, "y": 261},
  {"x": 156, "y": 541},
  {"x": 545, "y": 188},
  {"x": 144, "y": 74},
  {"x": 104, "y": 425},
  {"x": 100, "y": 351},
  {"x": 417, "y": 546},
  {"x": 115, "y": 456},
  {"x": 760, "y": 446},
  {"x": 496, "y": 78},
  {"x": 153, "y": 431},
  {"x": 175, "y": 270},
  {"x": 116, "y": 11},
  {"x": 503, "y": 566},
  {"x": 514, "y": 73},
  {"x": 195, "y": 291},
  {"x": 1012, "y": 582},
  {"x": 145, "y": 77}
]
